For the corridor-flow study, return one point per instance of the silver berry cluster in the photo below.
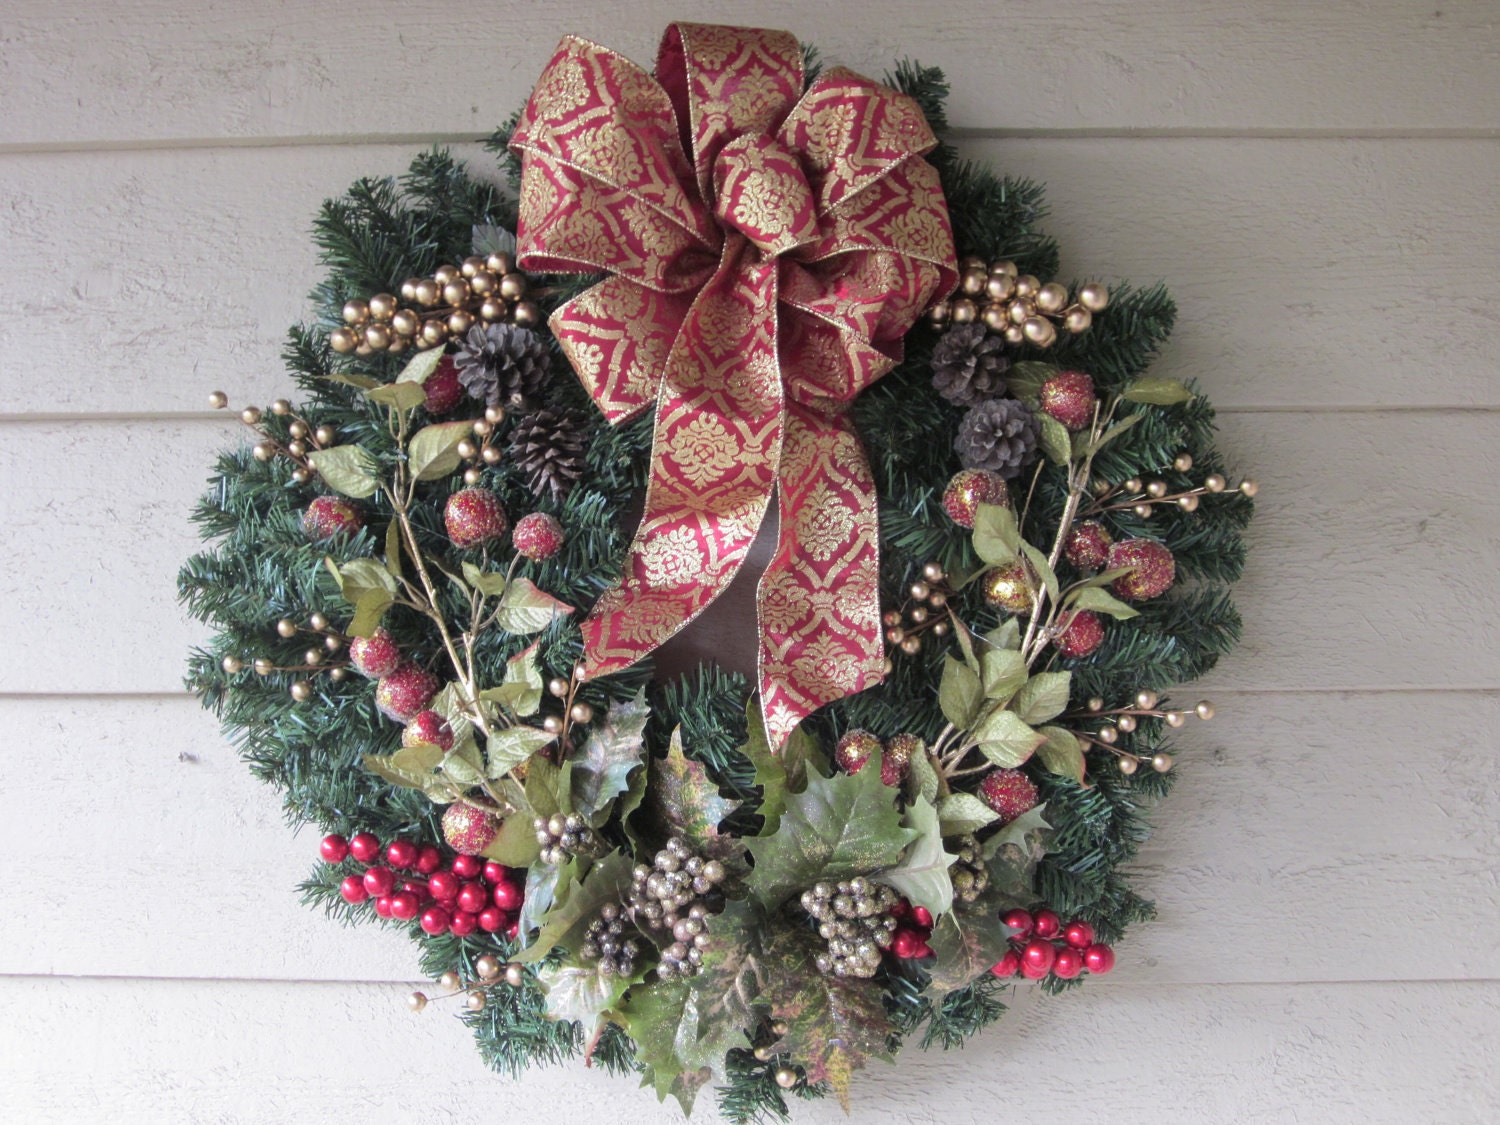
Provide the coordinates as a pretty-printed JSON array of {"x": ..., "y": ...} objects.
[
  {"x": 677, "y": 893},
  {"x": 563, "y": 836},
  {"x": 854, "y": 918},
  {"x": 969, "y": 873},
  {"x": 605, "y": 941}
]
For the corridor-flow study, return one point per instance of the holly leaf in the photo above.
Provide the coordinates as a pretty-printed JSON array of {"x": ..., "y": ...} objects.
[
  {"x": 1005, "y": 739},
  {"x": 420, "y": 367},
  {"x": 685, "y": 800},
  {"x": 405, "y": 397},
  {"x": 841, "y": 826},
  {"x": 1013, "y": 853},
  {"x": 584, "y": 993},
  {"x": 491, "y": 239},
  {"x": 602, "y": 765},
  {"x": 1157, "y": 391},
  {"x": 1055, "y": 441},
  {"x": 347, "y": 469},
  {"x": 834, "y": 1024},
  {"x": 922, "y": 875},
  {"x": 525, "y": 610},
  {"x": 960, "y": 694},
  {"x": 542, "y": 881},
  {"x": 1102, "y": 601},
  {"x": 963, "y": 812},
  {"x": 967, "y": 942},
  {"x": 578, "y": 901},
  {"x": 1043, "y": 697},
  {"x": 997, "y": 539},
  {"x": 1061, "y": 753},
  {"x": 433, "y": 450}
]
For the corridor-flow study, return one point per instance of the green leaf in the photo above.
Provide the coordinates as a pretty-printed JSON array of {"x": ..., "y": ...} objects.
[
  {"x": 1024, "y": 380},
  {"x": 960, "y": 694},
  {"x": 352, "y": 379},
  {"x": 1055, "y": 442},
  {"x": 515, "y": 844},
  {"x": 1002, "y": 673},
  {"x": 420, "y": 367},
  {"x": 578, "y": 904},
  {"x": 433, "y": 450},
  {"x": 1043, "y": 568},
  {"x": 1102, "y": 601},
  {"x": 1005, "y": 739},
  {"x": 842, "y": 826},
  {"x": 1157, "y": 391},
  {"x": 359, "y": 576},
  {"x": 1044, "y": 697},
  {"x": 548, "y": 787},
  {"x": 834, "y": 1024},
  {"x": 682, "y": 797},
  {"x": 524, "y": 609},
  {"x": 369, "y": 611},
  {"x": 521, "y": 693},
  {"x": 412, "y": 767},
  {"x": 1061, "y": 753},
  {"x": 542, "y": 881},
  {"x": 403, "y": 396},
  {"x": 393, "y": 549},
  {"x": 603, "y": 764},
  {"x": 922, "y": 875},
  {"x": 963, "y": 812},
  {"x": 923, "y": 781},
  {"x": 489, "y": 583},
  {"x": 997, "y": 540},
  {"x": 1007, "y": 635},
  {"x": 508, "y": 748},
  {"x": 1115, "y": 431},
  {"x": 347, "y": 469}
]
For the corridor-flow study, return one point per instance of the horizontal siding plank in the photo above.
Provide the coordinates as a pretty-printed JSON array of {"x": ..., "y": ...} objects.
[
  {"x": 1361, "y": 574},
  {"x": 152, "y": 70},
  {"x": 1292, "y": 849},
  {"x": 141, "y": 1053},
  {"x": 1309, "y": 273}
]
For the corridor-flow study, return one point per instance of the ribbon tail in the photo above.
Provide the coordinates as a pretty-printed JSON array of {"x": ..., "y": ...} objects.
[{"x": 819, "y": 600}]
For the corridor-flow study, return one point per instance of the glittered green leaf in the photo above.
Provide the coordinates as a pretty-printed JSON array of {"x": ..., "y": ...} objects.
[
  {"x": 347, "y": 469},
  {"x": 834, "y": 1024},
  {"x": 1158, "y": 391},
  {"x": 420, "y": 367},
  {"x": 964, "y": 812},
  {"x": 779, "y": 774},
  {"x": 842, "y": 826},
  {"x": 1061, "y": 753},
  {"x": 542, "y": 881},
  {"x": 960, "y": 693},
  {"x": 922, "y": 875},
  {"x": 1043, "y": 697},
  {"x": 682, "y": 798},
  {"x": 578, "y": 901},
  {"x": 524, "y": 609},
  {"x": 584, "y": 993},
  {"x": 1101, "y": 601},
  {"x": 433, "y": 450},
  {"x": 1013, "y": 853},
  {"x": 603, "y": 764},
  {"x": 968, "y": 941},
  {"x": 1005, "y": 739},
  {"x": 997, "y": 540},
  {"x": 1055, "y": 442}
]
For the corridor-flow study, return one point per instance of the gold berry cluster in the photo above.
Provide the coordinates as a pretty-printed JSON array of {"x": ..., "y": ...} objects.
[
  {"x": 1124, "y": 720},
  {"x": 302, "y": 435},
  {"x": 1017, "y": 305},
  {"x": 1141, "y": 497},
  {"x": 926, "y": 609},
  {"x": 432, "y": 310},
  {"x": 489, "y": 970},
  {"x": 314, "y": 660}
]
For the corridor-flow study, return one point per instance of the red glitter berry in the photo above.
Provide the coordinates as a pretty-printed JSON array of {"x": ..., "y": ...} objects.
[
  {"x": 1087, "y": 546},
  {"x": 428, "y": 728},
  {"x": 333, "y": 848},
  {"x": 1009, "y": 793},
  {"x": 538, "y": 536},
  {"x": 854, "y": 750},
  {"x": 474, "y": 516},
  {"x": 1152, "y": 568},
  {"x": 376, "y": 655},
  {"x": 327, "y": 516},
  {"x": 1010, "y": 587},
  {"x": 1085, "y": 633},
  {"x": 365, "y": 847},
  {"x": 468, "y": 831},
  {"x": 895, "y": 764},
  {"x": 969, "y": 489},
  {"x": 404, "y": 692},
  {"x": 1069, "y": 397},
  {"x": 444, "y": 391}
]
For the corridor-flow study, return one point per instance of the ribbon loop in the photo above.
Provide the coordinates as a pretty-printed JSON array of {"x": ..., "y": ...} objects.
[{"x": 770, "y": 249}]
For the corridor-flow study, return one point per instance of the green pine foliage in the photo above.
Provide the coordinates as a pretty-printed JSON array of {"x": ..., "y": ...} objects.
[{"x": 260, "y": 566}]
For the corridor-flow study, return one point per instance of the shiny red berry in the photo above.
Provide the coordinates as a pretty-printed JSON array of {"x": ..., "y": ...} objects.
[
  {"x": 1039, "y": 954},
  {"x": 1047, "y": 923},
  {"x": 1068, "y": 963},
  {"x": 383, "y": 906},
  {"x": 435, "y": 920},
  {"x": 1018, "y": 920},
  {"x": 405, "y": 906},
  {"x": 380, "y": 881},
  {"x": 492, "y": 918},
  {"x": 353, "y": 889},
  {"x": 1031, "y": 972},
  {"x": 508, "y": 895},
  {"x": 444, "y": 886},
  {"x": 418, "y": 888},
  {"x": 467, "y": 866},
  {"x": 495, "y": 873},
  {"x": 1008, "y": 965},
  {"x": 473, "y": 897},
  {"x": 365, "y": 848},
  {"x": 333, "y": 849},
  {"x": 429, "y": 859},
  {"x": 906, "y": 943},
  {"x": 463, "y": 923},
  {"x": 1099, "y": 958},
  {"x": 513, "y": 930},
  {"x": 1080, "y": 935},
  {"x": 922, "y": 917},
  {"x": 401, "y": 854}
]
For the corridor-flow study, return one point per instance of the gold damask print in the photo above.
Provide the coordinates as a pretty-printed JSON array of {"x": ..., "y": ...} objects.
[
  {"x": 827, "y": 525},
  {"x": 672, "y": 558},
  {"x": 703, "y": 449}
]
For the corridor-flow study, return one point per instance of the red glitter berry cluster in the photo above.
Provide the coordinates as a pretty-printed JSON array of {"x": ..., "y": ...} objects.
[
  {"x": 447, "y": 895},
  {"x": 1042, "y": 945},
  {"x": 913, "y": 929}
]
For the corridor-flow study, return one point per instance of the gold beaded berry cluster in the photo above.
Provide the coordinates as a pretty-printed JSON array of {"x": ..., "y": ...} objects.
[{"x": 1017, "y": 305}]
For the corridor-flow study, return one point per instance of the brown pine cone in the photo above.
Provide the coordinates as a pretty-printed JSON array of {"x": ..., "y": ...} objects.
[
  {"x": 547, "y": 446},
  {"x": 969, "y": 365},
  {"x": 999, "y": 436}
]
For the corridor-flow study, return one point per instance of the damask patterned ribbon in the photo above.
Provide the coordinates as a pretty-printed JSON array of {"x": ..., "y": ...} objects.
[{"x": 769, "y": 249}]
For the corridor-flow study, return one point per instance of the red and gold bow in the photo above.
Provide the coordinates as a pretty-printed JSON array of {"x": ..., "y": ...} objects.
[{"x": 769, "y": 250}]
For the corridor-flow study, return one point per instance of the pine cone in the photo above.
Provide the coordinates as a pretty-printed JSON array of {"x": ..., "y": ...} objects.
[
  {"x": 501, "y": 364},
  {"x": 547, "y": 446},
  {"x": 999, "y": 436},
  {"x": 968, "y": 365}
]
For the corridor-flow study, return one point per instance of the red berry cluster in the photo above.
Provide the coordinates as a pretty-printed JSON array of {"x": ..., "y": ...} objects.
[
  {"x": 1043, "y": 945},
  {"x": 913, "y": 928},
  {"x": 457, "y": 895}
]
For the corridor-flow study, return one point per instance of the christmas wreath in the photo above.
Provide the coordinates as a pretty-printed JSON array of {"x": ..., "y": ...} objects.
[{"x": 1001, "y": 543}]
